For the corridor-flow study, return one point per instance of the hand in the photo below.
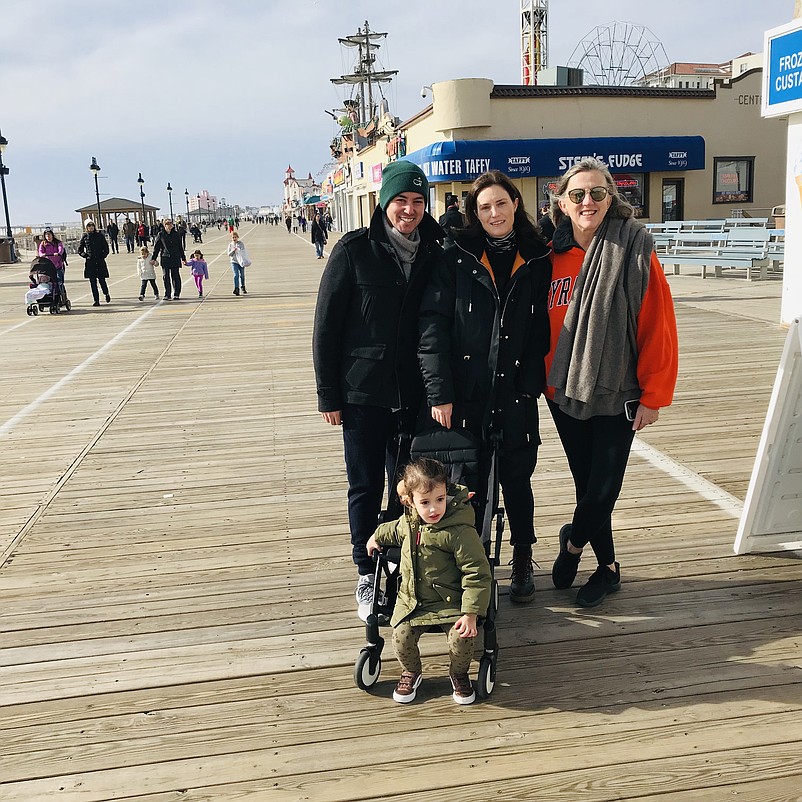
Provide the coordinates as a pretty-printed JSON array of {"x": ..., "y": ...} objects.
[
  {"x": 644, "y": 417},
  {"x": 442, "y": 414},
  {"x": 372, "y": 546},
  {"x": 466, "y": 626},
  {"x": 334, "y": 418}
]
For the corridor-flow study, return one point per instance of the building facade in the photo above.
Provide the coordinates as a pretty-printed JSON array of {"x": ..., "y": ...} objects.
[{"x": 675, "y": 153}]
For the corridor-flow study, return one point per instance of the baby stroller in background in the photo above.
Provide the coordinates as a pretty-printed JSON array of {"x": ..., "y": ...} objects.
[
  {"x": 196, "y": 233},
  {"x": 459, "y": 451},
  {"x": 47, "y": 291}
]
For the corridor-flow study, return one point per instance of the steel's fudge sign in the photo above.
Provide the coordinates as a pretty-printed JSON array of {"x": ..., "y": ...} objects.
[{"x": 464, "y": 160}]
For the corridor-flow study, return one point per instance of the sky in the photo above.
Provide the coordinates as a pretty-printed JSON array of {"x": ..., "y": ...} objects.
[{"x": 224, "y": 96}]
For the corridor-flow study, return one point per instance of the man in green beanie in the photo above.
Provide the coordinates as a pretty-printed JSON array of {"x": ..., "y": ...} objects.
[{"x": 365, "y": 346}]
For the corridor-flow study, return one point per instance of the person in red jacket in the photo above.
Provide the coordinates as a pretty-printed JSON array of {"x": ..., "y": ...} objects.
[{"x": 612, "y": 362}]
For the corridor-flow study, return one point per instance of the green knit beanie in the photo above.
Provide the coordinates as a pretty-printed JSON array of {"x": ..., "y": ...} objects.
[{"x": 402, "y": 176}]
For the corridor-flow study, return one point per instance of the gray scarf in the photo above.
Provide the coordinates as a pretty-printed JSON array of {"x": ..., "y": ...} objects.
[
  {"x": 404, "y": 248},
  {"x": 595, "y": 363}
]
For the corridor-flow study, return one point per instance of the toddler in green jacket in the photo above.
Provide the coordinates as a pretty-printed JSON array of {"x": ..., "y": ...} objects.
[{"x": 445, "y": 576}]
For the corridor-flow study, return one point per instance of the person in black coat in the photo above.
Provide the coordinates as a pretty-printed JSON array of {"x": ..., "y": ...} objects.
[
  {"x": 451, "y": 220},
  {"x": 168, "y": 245},
  {"x": 113, "y": 231},
  {"x": 484, "y": 335},
  {"x": 94, "y": 249},
  {"x": 318, "y": 234},
  {"x": 365, "y": 345}
]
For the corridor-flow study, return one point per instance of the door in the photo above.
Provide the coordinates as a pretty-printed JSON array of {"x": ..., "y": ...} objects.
[{"x": 673, "y": 199}]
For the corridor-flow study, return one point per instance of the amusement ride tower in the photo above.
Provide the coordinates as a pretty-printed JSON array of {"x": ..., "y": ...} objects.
[{"x": 534, "y": 39}]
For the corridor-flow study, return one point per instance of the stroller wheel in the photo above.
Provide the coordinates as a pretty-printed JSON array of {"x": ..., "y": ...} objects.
[
  {"x": 35, "y": 310},
  {"x": 29, "y": 311},
  {"x": 486, "y": 680},
  {"x": 67, "y": 304},
  {"x": 367, "y": 668},
  {"x": 53, "y": 309}
]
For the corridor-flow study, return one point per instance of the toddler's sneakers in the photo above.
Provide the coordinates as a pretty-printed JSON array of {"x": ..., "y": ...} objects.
[
  {"x": 464, "y": 693},
  {"x": 407, "y": 687}
]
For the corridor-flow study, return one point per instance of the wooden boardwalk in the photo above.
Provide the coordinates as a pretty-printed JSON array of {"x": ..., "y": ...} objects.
[{"x": 176, "y": 597}]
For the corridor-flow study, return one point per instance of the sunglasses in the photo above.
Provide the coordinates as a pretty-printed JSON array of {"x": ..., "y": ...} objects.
[{"x": 597, "y": 193}]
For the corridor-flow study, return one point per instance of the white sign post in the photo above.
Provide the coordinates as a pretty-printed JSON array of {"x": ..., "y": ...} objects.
[
  {"x": 772, "y": 514},
  {"x": 782, "y": 96}
]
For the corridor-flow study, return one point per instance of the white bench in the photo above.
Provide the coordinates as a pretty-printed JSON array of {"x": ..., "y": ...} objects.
[{"x": 743, "y": 247}]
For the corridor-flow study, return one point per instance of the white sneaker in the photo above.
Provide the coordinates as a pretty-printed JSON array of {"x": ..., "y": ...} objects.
[{"x": 364, "y": 595}]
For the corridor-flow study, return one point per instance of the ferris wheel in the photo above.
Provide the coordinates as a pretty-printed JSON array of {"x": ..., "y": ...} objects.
[{"x": 618, "y": 54}]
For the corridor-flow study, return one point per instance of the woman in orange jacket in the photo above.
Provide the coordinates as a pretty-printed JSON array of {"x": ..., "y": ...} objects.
[{"x": 612, "y": 362}]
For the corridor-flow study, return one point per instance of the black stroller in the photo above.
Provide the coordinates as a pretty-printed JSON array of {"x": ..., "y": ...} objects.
[
  {"x": 459, "y": 451},
  {"x": 44, "y": 273}
]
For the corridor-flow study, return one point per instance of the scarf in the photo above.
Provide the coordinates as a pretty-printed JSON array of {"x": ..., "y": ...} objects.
[
  {"x": 497, "y": 244},
  {"x": 595, "y": 362},
  {"x": 403, "y": 247}
]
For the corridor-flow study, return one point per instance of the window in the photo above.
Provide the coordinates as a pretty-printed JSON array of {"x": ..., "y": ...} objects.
[
  {"x": 632, "y": 188},
  {"x": 733, "y": 178}
]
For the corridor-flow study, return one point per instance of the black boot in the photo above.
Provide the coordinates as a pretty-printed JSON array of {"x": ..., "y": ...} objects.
[{"x": 522, "y": 580}]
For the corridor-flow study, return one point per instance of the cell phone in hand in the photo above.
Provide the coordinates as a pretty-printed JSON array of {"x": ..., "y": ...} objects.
[{"x": 631, "y": 408}]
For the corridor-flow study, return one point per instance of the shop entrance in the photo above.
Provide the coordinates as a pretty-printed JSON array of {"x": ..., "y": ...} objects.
[{"x": 673, "y": 199}]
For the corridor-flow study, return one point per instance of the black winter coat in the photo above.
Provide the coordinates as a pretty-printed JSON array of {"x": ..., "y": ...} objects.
[
  {"x": 94, "y": 248},
  {"x": 366, "y": 320},
  {"x": 451, "y": 221},
  {"x": 483, "y": 355},
  {"x": 318, "y": 232},
  {"x": 169, "y": 247}
]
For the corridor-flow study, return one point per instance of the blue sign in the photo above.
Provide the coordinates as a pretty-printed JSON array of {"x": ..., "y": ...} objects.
[
  {"x": 782, "y": 70},
  {"x": 465, "y": 160}
]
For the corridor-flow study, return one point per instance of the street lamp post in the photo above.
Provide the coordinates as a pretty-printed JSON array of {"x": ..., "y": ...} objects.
[
  {"x": 141, "y": 182},
  {"x": 186, "y": 196},
  {"x": 95, "y": 168},
  {"x": 200, "y": 215},
  {"x": 170, "y": 195},
  {"x": 3, "y": 174}
]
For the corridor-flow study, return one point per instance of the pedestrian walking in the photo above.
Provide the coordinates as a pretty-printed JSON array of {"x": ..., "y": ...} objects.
[
  {"x": 167, "y": 245},
  {"x": 318, "y": 234},
  {"x": 114, "y": 232},
  {"x": 200, "y": 270},
  {"x": 94, "y": 249},
  {"x": 147, "y": 273},
  {"x": 239, "y": 261}
]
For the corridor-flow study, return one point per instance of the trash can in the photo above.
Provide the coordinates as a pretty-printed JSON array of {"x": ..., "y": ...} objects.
[{"x": 5, "y": 252}]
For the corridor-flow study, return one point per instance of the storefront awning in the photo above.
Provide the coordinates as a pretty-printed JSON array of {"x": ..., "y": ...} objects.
[{"x": 464, "y": 160}]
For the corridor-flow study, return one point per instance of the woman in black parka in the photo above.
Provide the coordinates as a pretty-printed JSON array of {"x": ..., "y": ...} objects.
[
  {"x": 484, "y": 334},
  {"x": 94, "y": 249}
]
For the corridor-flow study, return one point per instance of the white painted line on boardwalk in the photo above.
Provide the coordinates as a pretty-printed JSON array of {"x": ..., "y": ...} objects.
[
  {"x": 51, "y": 391},
  {"x": 698, "y": 484}
]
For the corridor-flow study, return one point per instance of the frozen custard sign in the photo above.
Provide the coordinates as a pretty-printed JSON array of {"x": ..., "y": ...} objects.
[{"x": 782, "y": 70}]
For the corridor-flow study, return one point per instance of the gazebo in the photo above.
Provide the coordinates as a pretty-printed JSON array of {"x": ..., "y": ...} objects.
[{"x": 115, "y": 209}]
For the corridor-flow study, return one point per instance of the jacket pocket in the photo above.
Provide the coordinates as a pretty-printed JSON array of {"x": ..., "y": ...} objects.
[
  {"x": 450, "y": 594},
  {"x": 365, "y": 372}
]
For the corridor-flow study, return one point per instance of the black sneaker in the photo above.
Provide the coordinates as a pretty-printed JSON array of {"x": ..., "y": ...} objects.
[
  {"x": 602, "y": 581},
  {"x": 563, "y": 572},
  {"x": 522, "y": 579},
  {"x": 108, "y": 298}
]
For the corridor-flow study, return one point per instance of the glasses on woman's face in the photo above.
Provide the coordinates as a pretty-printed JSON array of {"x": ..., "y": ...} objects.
[{"x": 597, "y": 193}]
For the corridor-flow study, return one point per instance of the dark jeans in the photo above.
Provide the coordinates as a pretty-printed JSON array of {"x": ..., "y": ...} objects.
[
  {"x": 144, "y": 286},
  {"x": 129, "y": 243},
  {"x": 93, "y": 282},
  {"x": 173, "y": 273},
  {"x": 370, "y": 440},
  {"x": 115, "y": 248},
  {"x": 598, "y": 451}
]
